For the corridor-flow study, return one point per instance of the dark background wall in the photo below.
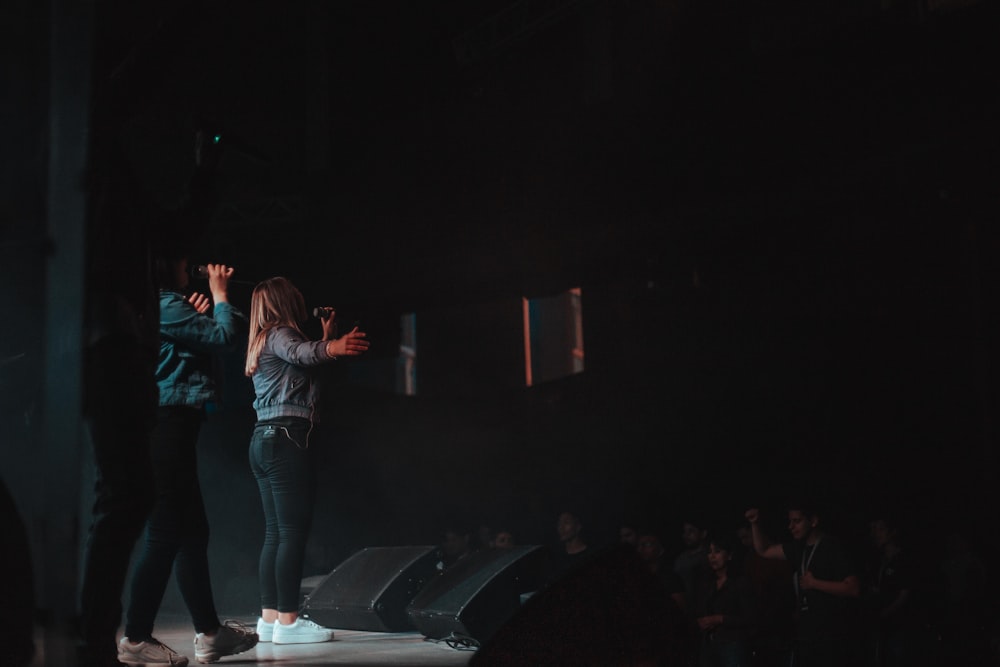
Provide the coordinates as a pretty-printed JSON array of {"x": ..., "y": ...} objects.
[{"x": 779, "y": 218}]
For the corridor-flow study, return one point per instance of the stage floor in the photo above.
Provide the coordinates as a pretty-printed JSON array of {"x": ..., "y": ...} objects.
[{"x": 349, "y": 648}]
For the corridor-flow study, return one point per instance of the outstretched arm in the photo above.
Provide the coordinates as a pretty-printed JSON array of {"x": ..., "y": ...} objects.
[{"x": 350, "y": 344}]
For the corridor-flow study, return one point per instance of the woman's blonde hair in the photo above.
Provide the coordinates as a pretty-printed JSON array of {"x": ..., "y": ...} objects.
[{"x": 275, "y": 302}]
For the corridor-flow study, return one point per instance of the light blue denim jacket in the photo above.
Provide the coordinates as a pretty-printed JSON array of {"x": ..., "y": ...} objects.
[
  {"x": 284, "y": 382},
  {"x": 189, "y": 343}
]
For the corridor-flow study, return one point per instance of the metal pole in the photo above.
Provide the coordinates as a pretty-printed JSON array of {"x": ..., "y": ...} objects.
[{"x": 62, "y": 442}]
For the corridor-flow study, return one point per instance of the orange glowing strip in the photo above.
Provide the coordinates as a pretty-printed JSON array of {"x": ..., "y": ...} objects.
[{"x": 525, "y": 309}]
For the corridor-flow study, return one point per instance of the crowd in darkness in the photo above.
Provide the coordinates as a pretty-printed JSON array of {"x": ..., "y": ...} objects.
[{"x": 793, "y": 588}]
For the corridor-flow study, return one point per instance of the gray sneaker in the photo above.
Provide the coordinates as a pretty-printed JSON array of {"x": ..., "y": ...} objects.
[
  {"x": 150, "y": 653},
  {"x": 231, "y": 638}
]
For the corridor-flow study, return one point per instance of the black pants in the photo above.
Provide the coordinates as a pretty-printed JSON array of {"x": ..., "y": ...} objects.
[
  {"x": 177, "y": 530},
  {"x": 281, "y": 463},
  {"x": 119, "y": 400}
]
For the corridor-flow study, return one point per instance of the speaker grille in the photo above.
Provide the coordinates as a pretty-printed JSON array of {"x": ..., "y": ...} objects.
[
  {"x": 372, "y": 588},
  {"x": 478, "y": 593}
]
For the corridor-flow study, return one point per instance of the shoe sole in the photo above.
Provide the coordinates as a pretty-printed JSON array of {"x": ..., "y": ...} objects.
[{"x": 302, "y": 640}]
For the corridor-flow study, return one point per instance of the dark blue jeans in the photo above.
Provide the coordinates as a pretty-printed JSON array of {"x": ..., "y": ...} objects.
[
  {"x": 281, "y": 463},
  {"x": 119, "y": 404},
  {"x": 177, "y": 530}
]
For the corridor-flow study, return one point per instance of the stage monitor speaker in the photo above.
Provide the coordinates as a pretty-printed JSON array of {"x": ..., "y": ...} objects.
[
  {"x": 606, "y": 610},
  {"x": 474, "y": 596},
  {"x": 372, "y": 588}
]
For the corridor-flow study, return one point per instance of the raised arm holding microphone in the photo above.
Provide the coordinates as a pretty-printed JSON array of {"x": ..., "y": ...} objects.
[{"x": 282, "y": 363}]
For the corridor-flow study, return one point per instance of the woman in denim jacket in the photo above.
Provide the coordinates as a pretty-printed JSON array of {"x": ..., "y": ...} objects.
[
  {"x": 281, "y": 361},
  {"x": 177, "y": 529}
]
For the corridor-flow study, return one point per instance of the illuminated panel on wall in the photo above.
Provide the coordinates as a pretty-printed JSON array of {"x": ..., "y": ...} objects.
[
  {"x": 406, "y": 381},
  {"x": 553, "y": 336}
]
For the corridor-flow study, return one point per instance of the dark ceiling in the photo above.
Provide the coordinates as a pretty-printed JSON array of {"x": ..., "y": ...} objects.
[{"x": 414, "y": 154}]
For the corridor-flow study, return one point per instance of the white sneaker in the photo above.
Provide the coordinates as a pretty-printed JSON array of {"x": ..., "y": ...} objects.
[
  {"x": 265, "y": 630},
  {"x": 150, "y": 653},
  {"x": 302, "y": 631}
]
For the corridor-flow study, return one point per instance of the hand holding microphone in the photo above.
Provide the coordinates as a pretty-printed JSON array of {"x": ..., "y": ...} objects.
[
  {"x": 202, "y": 271},
  {"x": 327, "y": 317},
  {"x": 218, "y": 280},
  {"x": 321, "y": 313},
  {"x": 350, "y": 344}
]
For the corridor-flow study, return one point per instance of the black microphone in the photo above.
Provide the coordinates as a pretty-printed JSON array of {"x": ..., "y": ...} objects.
[
  {"x": 201, "y": 271},
  {"x": 322, "y": 313}
]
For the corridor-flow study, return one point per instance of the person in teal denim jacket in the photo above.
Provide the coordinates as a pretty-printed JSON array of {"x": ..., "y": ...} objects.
[{"x": 191, "y": 340}]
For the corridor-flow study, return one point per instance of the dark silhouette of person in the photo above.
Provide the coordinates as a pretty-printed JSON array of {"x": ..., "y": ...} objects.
[
  {"x": 895, "y": 598},
  {"x": 125, "y": 220},
  {"x": 17, "y": 618}
]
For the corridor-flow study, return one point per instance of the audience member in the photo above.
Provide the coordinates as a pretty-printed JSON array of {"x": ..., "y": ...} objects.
[
  {"x": 691, "y": 564},
  {"x": 504, "y": 539},
  {"x": 826, "y": 584},
  {"x": 894, "y": 600},
  {"x": 456, "y": 544},
  {"x": 485, "y": 536},
  {"x": 572, "y": 548},
  {"x": 652, "y": 553},
  {"x": 628, "y": 533},
  {"x": 724, "y": 608}
]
